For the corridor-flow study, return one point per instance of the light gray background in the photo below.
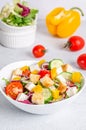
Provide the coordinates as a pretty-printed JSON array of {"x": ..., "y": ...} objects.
[
  {"x": 45, "y": 6},
  {"x": 72, "y": 117}
]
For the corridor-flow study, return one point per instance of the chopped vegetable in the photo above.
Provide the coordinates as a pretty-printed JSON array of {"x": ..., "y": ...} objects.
[
  {"x": 53, "y": 73},
  {"x": 76, "y": 77},
  {"x": 55, "y": 63},
  {"x": 47, "y": 95},
  {"x": 13, "y": 89}
]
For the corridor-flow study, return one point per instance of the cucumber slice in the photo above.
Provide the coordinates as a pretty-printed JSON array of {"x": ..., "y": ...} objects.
[
  {"x": 66, "y": 75},
  {"x": 47, "y": 95},
  {"x": 55, "y": 63}
]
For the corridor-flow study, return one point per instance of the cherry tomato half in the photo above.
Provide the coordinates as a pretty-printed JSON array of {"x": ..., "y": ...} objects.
[
  {"x": 43, "y": 72},
  {"x": 38, "y": 51},
  {"x": 81, "y": 61},
  {"x": 26, "y": 73},
  {"x": 75, "y": 43},
  {"x": 13, "y": 89}
]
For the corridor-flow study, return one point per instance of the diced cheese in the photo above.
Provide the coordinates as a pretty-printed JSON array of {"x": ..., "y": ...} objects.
[
  {"x": 59, "y": 70},
  {"x": 38, "y": 98},
  {"x": 52, "y": 88},
  {"x": 21, "y": 97},
  {"x": 34, "y": 67},
  {"x": 34, "y": 78},
  {"x": 17, "y": 72},
  {"x": 30, "y": 86},
  {"x": 61, "y": 78},
  {"x": 15, "y": 77},
  {"x": 71, "y": 91},
  {"x": 46, "y": 81}
]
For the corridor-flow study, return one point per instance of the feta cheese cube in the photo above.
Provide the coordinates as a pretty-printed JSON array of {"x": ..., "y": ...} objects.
[
  {"x": 34, "y": 67},
  {"x": 71, "y": 91},
  {"x": 30, "y": 86},
  {"x": 17, "y": 72},
  {"x": 21, "y": 97},
  {"x": 61, "y": 78},
  {"x": 52, "y": 88},
  {"x": 15, "y": 78},
  {"x": 59, "y": 70}
]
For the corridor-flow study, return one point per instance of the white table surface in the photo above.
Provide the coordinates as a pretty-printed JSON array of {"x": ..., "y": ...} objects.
[{"x": 71, "y": 118}]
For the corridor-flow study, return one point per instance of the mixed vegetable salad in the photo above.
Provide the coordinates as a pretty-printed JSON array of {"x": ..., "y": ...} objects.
[
  {"x": 18, "y": 14},
  {"x": 43, "y": 82}
]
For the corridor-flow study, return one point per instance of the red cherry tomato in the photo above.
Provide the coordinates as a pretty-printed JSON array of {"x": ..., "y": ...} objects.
[
  {"x": 81, "y": 61},
  {"x": 43, "y": 72},
  {"x": 26, "y": 73},
  {"x": 75, "y": 43},
  {"x": 13, "y": 89},
  {"x": 38, "y": 51}
]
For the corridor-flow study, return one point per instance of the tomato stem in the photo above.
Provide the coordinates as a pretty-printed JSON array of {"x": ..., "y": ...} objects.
[
  {"x": 67, "y": 45},
  {"x": 44, "y": 51}
]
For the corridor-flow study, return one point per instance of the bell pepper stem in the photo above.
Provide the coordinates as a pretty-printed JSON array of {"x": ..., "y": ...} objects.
[{"x": 77, "y": 8}]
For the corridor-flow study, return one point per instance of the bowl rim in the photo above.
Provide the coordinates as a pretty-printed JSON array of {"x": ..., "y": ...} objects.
[{"x": 40, "y": 105}]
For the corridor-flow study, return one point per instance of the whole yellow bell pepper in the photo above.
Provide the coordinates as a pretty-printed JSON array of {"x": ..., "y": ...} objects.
[{"x": 63, "y": 23}]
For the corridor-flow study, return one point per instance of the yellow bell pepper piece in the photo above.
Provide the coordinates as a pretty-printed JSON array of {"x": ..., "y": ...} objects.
[
  {"x": 34, "y": 72},
  {"x": 55, "y": 94},
  {"x": 53, "y": 73},
  {"x": 24, "y": 68},
  {"x": 41, "y": 62},
  {"x": 37, "y": 89},
  {"x": 76, "y": 77},
  {"x": 63, "y": 23},
  {"x": 16, "y": 78}
]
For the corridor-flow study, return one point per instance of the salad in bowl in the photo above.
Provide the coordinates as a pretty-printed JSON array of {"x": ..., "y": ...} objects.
[
  {"x": 41, "y": 87},
  {"x": 18, "y": 14},
  {"x": 44, "y": 82},
  {"x": 18, "y": 24}
]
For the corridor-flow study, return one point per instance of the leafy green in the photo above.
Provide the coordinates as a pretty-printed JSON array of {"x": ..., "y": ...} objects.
[
  {"x": 78, "y": 85},
  {"x": 6, "y": 81},
  {"x": 15, "y": 20},
  {"x": 17, "y": 9},
  {"x": 25, "y": 3}
]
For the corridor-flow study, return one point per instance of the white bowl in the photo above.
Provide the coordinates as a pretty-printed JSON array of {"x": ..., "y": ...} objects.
[
  {"x": 22, "y": 37},
  {"x": 35, "y": 109}
]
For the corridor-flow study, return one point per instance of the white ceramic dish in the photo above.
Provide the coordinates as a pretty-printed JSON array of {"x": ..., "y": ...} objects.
[
  {"x": 21, "y": 39},
  {"x": 35, "y": 109}
]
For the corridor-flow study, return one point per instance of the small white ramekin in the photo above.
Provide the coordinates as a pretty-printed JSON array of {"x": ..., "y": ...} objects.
[{"x": 21, "y": 37}]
